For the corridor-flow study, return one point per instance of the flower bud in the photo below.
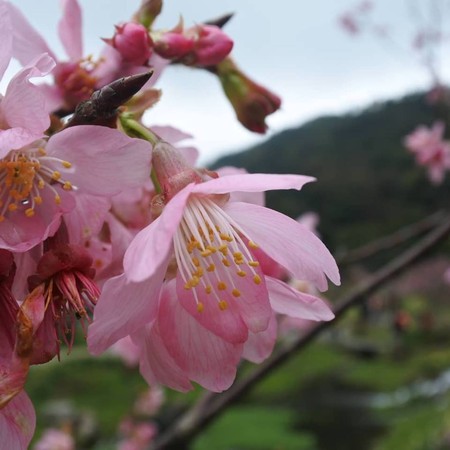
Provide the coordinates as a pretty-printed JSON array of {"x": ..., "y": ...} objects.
[
  {"x": 133, "y": 42},
  {"x": 212, "y": 45},
  {"x": 174, "y": 45},
  {"x": 251, "y": 101}
]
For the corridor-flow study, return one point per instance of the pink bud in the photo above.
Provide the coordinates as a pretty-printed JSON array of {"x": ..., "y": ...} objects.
[
  {"x": 133, "y": 42},
  {"x": 251, "y": 101},
  {"x": 173, "y": 45},
  {"x": 211, "y": 47}
]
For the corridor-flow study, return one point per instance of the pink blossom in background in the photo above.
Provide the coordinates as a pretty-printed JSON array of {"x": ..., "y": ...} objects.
[
  {"x": 430, "y": 149},
  {"x": 349, "y": 24},
  {"x": 150, "y": 401},
  {"x": 138, "y": 436},
  {"x": 54, "y": 439},
  {"x": 127, "y": 351},
  {"x": 447, "y": 276}
]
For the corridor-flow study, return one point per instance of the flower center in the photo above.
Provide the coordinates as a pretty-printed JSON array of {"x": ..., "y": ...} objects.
[
  {"x": 24, "y": 174},
  {"x": 211, "y": 253}
]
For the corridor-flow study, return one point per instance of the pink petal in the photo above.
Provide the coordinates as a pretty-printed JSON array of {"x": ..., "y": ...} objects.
[
  {"x": 157, "y": 365},
  {"x": 257, "y": 198},
  {"x": 17, "y": 423},
  {"x": 287, "y": 242},
  {"x": 226, "y": 324},
  {"x": 6, "y": 38},
  {"x": 8, "y": 313},
  {"x": 152, "y": 245},
  {"x": 69, "y": 29},
  {"x": 20, "y": 233},
  {"x": 122, "y": 308},
  {"x": 259, "y": 346},
  {"x": 105, "y": 161},
  {"x": 24, "y": 106},
  {"x": 87, "y": 218},
  {"x": 15, "y": 138},
  {"x": 286, "y": 300},
  {"x": 252, "y": 183},
  {"x": 27, "y": 42},
  {"x": 170, "y": 134},
  {"x": 207, "y": 359}
]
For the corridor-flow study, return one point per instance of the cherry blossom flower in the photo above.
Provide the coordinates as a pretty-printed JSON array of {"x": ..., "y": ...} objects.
[
  {"x": 220, "y": 294},
  {"x": 38, "y": 181},
  {"x": 430, "y": 149}
]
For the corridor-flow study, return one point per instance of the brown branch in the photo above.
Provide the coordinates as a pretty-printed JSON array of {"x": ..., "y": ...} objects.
[
  {"x": 392, "y": 240},
  {"x": 211, "y": 405}
]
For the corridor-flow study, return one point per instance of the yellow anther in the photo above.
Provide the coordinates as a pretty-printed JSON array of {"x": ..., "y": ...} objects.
[
  {"x": 236, "y": 293},
  {"x": 198, "y": 272},
  {"x": 211, "y": 249},
  {"x": 208, "y": 289},
  {"x": 223, "y": 305},
  {"x": 56, "y": 175},
  {"x": 41, "y": 184},
  {"x": 194, "y": 281},
  {"x": 241, "y": 273},
  {"x": 226, "y": 237},
  {"x": 211, "y": 268},
  {"x": 200, "y": 307},
  {"x": 221, "y": 286},
  {"x": 195, "y": 261},
  {"x": 206, "y": 253},
  {"x": 257, "y": 279},
  {"x": 57, "y": 199},
  {"x": 38, "y": 200},
  {"x": 225, "y": 262},
  {"x": 41, "y": 151},
  {"x": 238, "y": 255},
  {"x": 251, "y": 244},
  {"x": 238, "y": 261},
  {"x": 12, "y": 207},
  {"x": 29, "y": 212},
  {"x": 67, "y": 186},
  {"x": 187, "y": 286},
  {"x": 223, "y": 249},
  {"x": 66, "y": 164},
  {"x": 253, "y": 263}
]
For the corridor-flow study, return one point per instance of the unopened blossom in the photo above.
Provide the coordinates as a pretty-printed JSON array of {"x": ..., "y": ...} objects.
[
  {"x": 211, "y": 45},
  {"x": 195, "y": 268},
  {"x": 133, "y": 43},
  {"x": 430, "y": 149},
  {"x": 251, "y": 101},
  {"x": 201, "y": 45}
]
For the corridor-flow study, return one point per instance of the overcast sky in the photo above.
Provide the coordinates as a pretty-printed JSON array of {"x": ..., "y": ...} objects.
[{"x": 295, "y": 47}]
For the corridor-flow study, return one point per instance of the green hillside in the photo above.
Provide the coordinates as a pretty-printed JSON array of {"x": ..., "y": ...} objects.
[{"x": 368, "y": 184}]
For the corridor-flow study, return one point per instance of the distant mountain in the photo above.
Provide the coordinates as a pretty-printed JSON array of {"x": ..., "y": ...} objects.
[{"x": 368, "y": 184}]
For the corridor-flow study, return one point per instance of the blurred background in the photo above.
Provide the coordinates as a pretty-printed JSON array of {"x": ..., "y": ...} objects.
[{"x": 380, "y": 380}]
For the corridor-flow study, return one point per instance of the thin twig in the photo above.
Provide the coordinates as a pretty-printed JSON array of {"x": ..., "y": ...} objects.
[
  {"x": 211, "y": 406},
  {"x": 392, "y": 240}
]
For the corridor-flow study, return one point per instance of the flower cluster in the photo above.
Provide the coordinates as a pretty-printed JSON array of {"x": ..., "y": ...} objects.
[{"x": 107, "y": 224}]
